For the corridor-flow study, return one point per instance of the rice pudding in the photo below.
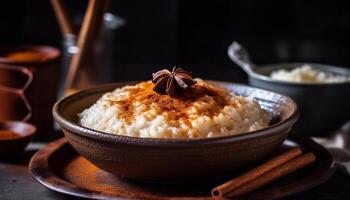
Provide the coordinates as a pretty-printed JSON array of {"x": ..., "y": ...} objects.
[{"x": 201, "y": 111}]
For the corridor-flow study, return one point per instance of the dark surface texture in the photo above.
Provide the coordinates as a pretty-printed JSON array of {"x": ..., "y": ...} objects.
[{"x": 16, "y": 183}]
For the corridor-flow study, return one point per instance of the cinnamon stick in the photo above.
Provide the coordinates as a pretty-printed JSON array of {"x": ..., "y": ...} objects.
[
  {"x": 233, "y": 184},
  {"x": 280, "y": 171},
  {"x": 92, "y": 18},
  {"x": 62, "y": 17}
]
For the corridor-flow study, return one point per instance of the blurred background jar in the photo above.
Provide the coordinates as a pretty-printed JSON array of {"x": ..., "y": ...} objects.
[{"x": 96, "y": 68}]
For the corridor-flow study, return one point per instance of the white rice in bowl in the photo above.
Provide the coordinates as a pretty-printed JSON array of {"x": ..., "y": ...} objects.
[
  {"x": 307, "y": 74},
  {"x": 202, "y": 111}
]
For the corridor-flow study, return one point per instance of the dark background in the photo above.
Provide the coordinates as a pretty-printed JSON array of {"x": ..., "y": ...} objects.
[{"x": 194, "y": 34}]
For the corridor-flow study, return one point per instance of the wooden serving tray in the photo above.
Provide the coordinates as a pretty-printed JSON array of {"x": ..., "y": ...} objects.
[{"x": 60, "y": 168}]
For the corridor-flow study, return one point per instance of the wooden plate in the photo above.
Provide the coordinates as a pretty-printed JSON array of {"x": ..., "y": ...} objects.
[{"x": 58, "y": 167}]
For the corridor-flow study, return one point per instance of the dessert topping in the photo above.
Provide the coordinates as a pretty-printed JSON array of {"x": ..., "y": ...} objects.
[{"x": 169, "y": 83}]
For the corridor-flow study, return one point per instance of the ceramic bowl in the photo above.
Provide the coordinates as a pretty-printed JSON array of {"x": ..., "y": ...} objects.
[
  {"x": 324, "y": 107},
  {"x": 147, "y": 159},
  {"x": 12, "y": 146}
]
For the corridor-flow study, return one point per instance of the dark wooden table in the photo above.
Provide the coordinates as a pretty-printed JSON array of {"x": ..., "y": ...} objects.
[{"x": 16, "y": 183}]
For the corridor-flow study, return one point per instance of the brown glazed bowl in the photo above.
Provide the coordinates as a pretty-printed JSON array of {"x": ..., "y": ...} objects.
[
  {"x": 10, "y": 146},
  {"x": 149, "y": 159}
]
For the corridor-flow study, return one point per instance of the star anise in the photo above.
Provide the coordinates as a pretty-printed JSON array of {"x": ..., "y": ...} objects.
[{"x": 167, "y": 82}]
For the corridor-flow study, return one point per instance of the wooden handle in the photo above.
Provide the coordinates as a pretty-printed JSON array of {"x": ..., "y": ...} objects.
[{"x": 62, "y": 17}]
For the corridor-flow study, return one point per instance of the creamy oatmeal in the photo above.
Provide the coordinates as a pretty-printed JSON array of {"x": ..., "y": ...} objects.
[{"x": 203, "y": 111}]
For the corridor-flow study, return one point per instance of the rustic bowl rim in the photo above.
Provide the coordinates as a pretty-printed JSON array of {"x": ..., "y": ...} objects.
[{"x": 75, "y": 128}]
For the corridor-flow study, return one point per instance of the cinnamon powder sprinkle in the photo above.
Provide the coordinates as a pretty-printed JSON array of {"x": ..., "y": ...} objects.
[
  {"x": 201, "y": 111},
  {"x": 176, "y": 106}
]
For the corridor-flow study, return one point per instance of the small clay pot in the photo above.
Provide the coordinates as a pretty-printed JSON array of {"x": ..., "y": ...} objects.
[{"x": 15, "y": 143}]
